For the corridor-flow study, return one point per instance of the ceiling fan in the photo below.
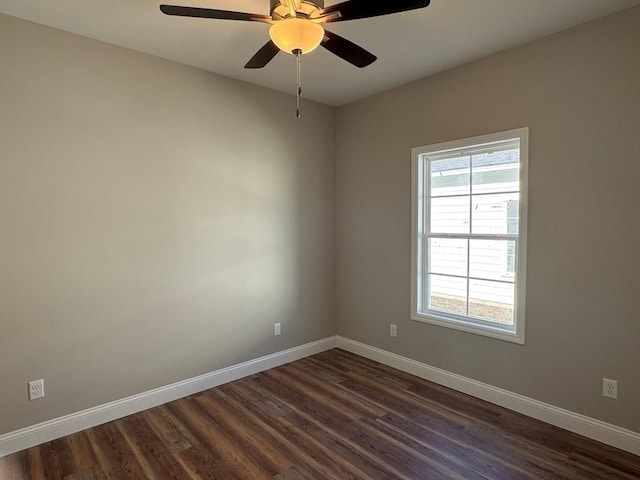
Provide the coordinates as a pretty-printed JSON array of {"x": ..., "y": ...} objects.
[{"x": 297, "y": 27}]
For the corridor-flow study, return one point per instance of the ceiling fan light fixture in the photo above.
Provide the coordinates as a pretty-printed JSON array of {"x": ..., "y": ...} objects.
[{"x": 293, "y": 34}]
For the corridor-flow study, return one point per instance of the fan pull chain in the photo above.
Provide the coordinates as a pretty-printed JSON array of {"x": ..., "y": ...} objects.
[{"x": 298, "y": 54}]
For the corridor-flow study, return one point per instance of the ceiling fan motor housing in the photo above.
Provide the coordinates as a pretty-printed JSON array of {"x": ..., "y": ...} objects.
[{"x": 276, "y": 3}]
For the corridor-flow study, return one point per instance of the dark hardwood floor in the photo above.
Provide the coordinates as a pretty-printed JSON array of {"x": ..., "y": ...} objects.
[{"x": 331, "y": 416}]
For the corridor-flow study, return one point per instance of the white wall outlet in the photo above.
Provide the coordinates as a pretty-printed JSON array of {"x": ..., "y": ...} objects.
[
  {"x": 276, "y": 329},
  {"x": 36, "y": 389},
  {"x": 610, "y": 388},
  {"x": 393, "y": 330}
]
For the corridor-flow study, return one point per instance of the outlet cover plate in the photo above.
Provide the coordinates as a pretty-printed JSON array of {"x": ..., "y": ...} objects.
[
  {"x": 36, "y": 389},
  {"x": 610, "y": 388},
  {"x": 393, "y": 330}
]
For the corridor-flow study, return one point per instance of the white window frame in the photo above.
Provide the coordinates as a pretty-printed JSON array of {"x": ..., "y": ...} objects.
[{"x": 419, "y": 217}]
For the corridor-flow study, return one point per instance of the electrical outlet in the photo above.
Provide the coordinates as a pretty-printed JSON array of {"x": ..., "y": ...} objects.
[
  {"x": 36, "y": 389},
  {"x": 276, "y": 329},
  {"x": 393, "y": 330},
  {"x": 610, "y": 388}
]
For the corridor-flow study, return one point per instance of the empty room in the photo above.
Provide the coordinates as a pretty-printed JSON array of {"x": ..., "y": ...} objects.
[{"x": 296, "y": 239}]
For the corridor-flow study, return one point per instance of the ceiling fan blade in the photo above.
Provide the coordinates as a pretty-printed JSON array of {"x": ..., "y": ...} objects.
[
  {"x": 212, "y": 13},
  {"x": 263, "y": 56},
  {"x": 347, "y": 50},
  {"x": 355, "y": 9}
]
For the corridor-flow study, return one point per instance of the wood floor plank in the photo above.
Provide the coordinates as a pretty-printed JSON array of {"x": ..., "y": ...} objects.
[
  {"x": 247, "y": 436},
  {"x": 477, "y": 413},
  {"x": 268, "y": 405},
  {"x": 363, "y": 407},
  {"x": 114, "y": 455},
  {"x": 84, "y": 457},
  {"x": 199, "y": 463},
  {"x": 341, "y": 448},
  {"x": 368, "y": 387},
  {"x": 153, "y": 456},
  {"x": 16, "y": 466},
  {"x": 298, "y": 444},
  {"x": 331, "y": 416},
  {"x": 601, "y": 470},
  {"x": 294, "y": 473},
  {"x": 174, "y": 435},
  {"x": 395, "y": 454},
  {"x": 211, "y": 435},
  {"x": 455, "y": 447},
  {"x": 93, "y": 473}
]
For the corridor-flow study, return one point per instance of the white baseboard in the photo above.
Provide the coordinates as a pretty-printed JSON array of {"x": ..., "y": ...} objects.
[
  {"x": 59, "y": 427},
  {"x": 595, "y": 429}
]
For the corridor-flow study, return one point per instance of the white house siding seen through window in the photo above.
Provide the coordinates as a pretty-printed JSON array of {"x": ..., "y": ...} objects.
[{"x": 469, "y": 242}]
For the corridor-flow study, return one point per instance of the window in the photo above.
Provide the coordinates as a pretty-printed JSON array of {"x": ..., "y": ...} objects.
[{"x": 469, "y": 234}]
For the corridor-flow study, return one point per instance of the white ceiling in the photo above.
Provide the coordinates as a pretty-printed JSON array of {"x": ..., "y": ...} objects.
[{"x": 409, "y": 45}]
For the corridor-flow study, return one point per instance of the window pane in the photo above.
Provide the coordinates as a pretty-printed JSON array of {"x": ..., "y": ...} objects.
[
  {"x": 495, "y": 214},
  {"x": 491, "y": 301},
  {"x": 511, "y": 257},
  {"x": 492, "y": 259},
  {"x": 450, "y": 215},
  {"x": 448, "y": 294},
  {"x": 450, "y": 176},
  {"x": 496, "y": 172},
  {"x": 448, "y": 256}
]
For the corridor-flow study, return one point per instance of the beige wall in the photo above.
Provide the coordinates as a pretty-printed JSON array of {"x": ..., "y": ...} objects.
[
  {"x": 579, "y": 92},
  {"x": 156, "y": 221}
]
